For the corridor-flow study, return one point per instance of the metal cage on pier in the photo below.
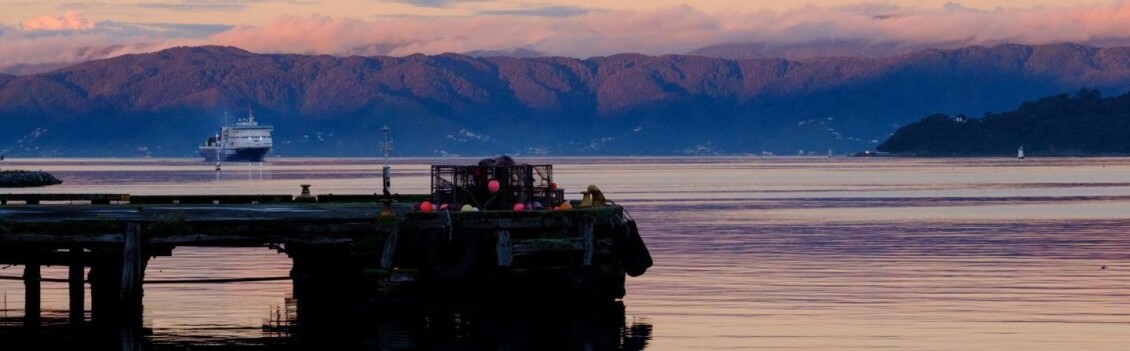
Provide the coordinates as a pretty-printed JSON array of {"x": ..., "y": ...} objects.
[{"x": 518, "y": 183}]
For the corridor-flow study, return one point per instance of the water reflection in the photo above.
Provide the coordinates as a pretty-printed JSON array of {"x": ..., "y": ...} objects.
[
  {"x": 550, "y": 327},
  {"x": 766, "y": 253},
  {"x": 414, "y": 326}
]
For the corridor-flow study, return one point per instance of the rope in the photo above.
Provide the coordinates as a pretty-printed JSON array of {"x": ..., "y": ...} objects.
[{"x": 450, "y": 228}]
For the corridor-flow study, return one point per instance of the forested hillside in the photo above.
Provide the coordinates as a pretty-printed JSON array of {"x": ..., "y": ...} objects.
[{"x": 1082, "y": 124}]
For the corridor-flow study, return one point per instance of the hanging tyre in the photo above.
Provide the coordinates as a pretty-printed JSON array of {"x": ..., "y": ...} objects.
[{"x": 633, "y": 254}]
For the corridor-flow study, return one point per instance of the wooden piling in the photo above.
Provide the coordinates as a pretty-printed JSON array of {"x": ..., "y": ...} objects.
[
  {"x": 130, "y": 337},
  {"x": 504, "y": 249},
  {"x": 133, "y": 272},
  {"x": 326, "y": 285},
  {"x": 32, "y": 278},
  {"x": 105, "y": 280},
  {"x": 77, "y": 287},
  {"x": 390, "y": 247}
]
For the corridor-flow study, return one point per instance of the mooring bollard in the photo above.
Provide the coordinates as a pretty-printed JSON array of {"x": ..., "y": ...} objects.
[{"x": 305, "y": 195}]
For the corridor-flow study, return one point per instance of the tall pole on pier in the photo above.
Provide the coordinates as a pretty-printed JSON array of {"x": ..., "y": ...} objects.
[
  {"x": 222, "y": 139},
  {"x": 386, "y": 147}
]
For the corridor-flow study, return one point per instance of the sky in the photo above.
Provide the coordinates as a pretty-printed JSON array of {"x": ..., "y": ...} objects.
[{"x": 38, "y": 33}]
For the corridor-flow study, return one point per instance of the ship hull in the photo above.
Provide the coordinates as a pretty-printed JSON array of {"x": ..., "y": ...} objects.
[{"x": 246, "y": 154}]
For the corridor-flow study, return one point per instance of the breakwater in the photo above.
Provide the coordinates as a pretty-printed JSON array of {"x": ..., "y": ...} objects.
[{"x": 24, "y": 179}]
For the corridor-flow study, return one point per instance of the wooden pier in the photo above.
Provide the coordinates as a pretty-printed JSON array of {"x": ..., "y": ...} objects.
[{"x": 342, "y": 248}]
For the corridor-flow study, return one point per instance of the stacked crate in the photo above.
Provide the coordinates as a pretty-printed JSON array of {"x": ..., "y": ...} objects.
[{"x": 518, "y": 183}]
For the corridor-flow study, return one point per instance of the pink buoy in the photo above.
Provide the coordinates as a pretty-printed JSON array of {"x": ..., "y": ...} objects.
[
  {"x": 426, "y": 206},
  {"x": 493, "y": 185},
  {"x": 519, "y": 207}
]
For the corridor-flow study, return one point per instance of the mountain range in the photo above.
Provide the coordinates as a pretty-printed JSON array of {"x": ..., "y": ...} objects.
[{"x": 165, "y": 103}]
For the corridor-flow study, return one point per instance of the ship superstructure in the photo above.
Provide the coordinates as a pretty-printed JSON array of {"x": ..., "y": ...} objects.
[{"x": 246, "y": 141}]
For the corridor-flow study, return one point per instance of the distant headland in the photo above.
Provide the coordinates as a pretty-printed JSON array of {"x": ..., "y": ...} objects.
[
  {"x": 25, "y": 179},
  {"x": 1084, "y": 124}
]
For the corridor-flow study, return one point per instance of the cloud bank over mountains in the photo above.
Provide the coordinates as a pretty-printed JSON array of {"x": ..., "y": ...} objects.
[
  {"x": 46, "y": 42},
  {"x": 71, "y": 21}
]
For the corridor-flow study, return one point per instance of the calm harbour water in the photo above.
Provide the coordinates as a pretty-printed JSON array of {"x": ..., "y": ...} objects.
[{"x": 751, "y": 253}]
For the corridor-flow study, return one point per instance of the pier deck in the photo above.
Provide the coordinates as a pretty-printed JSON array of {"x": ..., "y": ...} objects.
[
  {"x": 337, "y": 248},
  {"x": 179, "y": 224}
]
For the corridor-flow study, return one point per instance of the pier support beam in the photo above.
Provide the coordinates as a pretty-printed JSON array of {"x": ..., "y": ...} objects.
[
  {"x": 390, "y": 247},
  {"x": 32, "y": 280},
  {"x": 77, "y": 286},
  {"x": 503, "y": 248},
  {"x": 105, "y": 280},
  {"x": 326, "y": 285},
  {"x": 133, "y": 273},
  {"x": 116, "y": 277},
  {"x": 587, "y": 241}
]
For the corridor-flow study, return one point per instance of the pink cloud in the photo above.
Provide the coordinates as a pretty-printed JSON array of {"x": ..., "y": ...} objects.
[
  {"x": 598, "y": 33},
  {"x": 70, "y": 21},
  {"x": 680, "y": 29},
  {"x": 950, "y": 23},
  {"x": 23, "y": 55},
  {"x": 663, "y": 31}
]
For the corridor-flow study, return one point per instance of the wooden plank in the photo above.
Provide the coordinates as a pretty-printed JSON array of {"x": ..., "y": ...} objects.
[
  {"x": 106, "y": 198},
  {"x": 12, "y": 238},
  {"x": 492, "y": 224},
  {"x": 66, "y": 217},
  {"x": 212, "y": 199},
  {"x": 248, "y": 240},
  {"x": 255, "y": 238},
  {"x": 503, "y": 248},
  {"x": 370, "y": 198},
  {"x": 390, "y": 247},
  {"x": 21, "y": 255},
  {"x": 530, "y": 246}
]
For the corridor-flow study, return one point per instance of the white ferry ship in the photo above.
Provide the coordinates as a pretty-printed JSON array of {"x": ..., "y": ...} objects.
[{"x": 245, "y": 141}]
